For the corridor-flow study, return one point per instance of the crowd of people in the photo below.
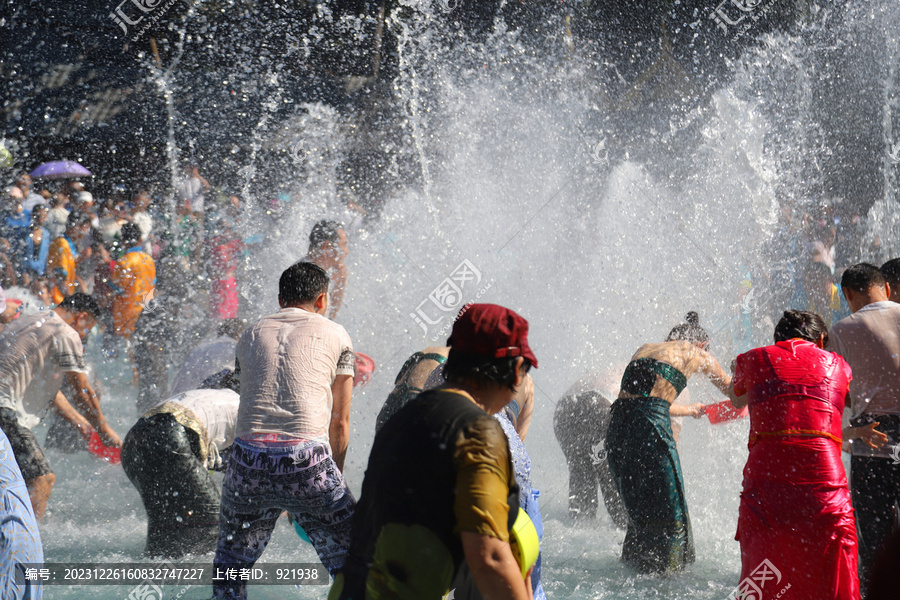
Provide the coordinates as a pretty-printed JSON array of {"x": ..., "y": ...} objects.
[
  {"x": 60, "y": 240},
  {"x": 831, "y": 537},
  {"x": 447, "y": 501}
]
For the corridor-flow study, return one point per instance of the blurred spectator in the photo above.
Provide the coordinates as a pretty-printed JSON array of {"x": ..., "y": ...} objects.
[
  {"x": 30, "y": 198},
  {"x": 155, "y": 336},
  {"x": 133, "y": 280},
  {"x": 225, "y": 251},
  {"x": 142, "y": 218},
  {"x": 823, "y": 297},
  {"x": 58, "y": 216},
  {"x": 84, "y": 203},
  {"x": 63, "y": 257},
  {"x": 16, "y": 221},
  {"x": 821, "y": 246},
  {"x": 37, "y": 243},
  {"x": 112, "y": 217},
  {"x": 193, "y": 189},
  {"x": 328, "y": 249}
]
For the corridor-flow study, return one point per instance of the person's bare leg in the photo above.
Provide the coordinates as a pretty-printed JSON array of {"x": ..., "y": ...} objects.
[{"x": 39, "y": 491}]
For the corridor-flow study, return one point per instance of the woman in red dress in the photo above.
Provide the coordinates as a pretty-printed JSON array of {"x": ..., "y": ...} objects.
[{"x": 796, "y": 525}]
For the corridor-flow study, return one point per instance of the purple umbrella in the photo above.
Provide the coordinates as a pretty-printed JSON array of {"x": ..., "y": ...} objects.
[{"x": 60, "y": 169}]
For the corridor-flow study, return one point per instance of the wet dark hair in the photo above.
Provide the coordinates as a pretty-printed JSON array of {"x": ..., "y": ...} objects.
[
  {"x": 301, "y": 283},
  {"x": 801, "y": 324},
  {"x": 130, "y": 235},
  {"x": 81, "y": 303},
  {"x": 891, "y": 272},
  {"x": 324, "y": 231},
  {"x": 860, "y": 278},
  {"x": 482, "y": 369},
  {"x": 233, "y": 328},
  {"x": 689, "y": 331}
]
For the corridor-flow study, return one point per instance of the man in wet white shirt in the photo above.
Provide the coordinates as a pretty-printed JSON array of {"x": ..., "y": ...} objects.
[
  {"x": 869, "y": 340},
  {"x": 36, "y": 351},
  {"x": 295, "y": 369}
]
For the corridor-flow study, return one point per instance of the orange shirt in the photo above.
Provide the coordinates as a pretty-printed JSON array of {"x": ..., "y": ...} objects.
[
  {"x": 61, "y": 267},
  {"x": 133, "y": 279}
]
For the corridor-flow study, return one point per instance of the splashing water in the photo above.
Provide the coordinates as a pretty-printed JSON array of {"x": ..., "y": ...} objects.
[{"x": 601, "y": 251}]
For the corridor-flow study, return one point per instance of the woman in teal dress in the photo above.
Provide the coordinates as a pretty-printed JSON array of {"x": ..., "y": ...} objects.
[{"x": 641, "y": 448}]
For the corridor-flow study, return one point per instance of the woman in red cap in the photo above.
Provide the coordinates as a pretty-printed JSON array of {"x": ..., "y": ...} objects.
[
  {"x": 641, "y": 449},
  {"x": 795, "y": 507}
]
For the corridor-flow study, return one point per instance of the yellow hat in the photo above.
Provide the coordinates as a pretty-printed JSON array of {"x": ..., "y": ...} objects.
[{"x": 524, "y": 542}]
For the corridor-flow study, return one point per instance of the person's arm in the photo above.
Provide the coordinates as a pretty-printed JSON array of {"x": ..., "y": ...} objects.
[
  {"x": 336, "y": 297},
  {"x": 710, "y": 367},
  {"x": 68, "y": 413},
  {"x": 526, "y": 394},
  {"x": 494, "y": 569},
  {"x": 686, "y": 410},
  {"x": 867, "y": 433},
  {"x": 86, "y": 400},
  {"x": 339, "y": 429}
]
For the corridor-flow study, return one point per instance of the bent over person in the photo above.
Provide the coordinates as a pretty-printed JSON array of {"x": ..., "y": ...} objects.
[
  {"x": 34, "y": 351},
  {"x": 439, "y": 495},
  {"x": 295, "y": 369},
  {"x": 168, "y": 456},
  {"x": 641, "y": 448}
]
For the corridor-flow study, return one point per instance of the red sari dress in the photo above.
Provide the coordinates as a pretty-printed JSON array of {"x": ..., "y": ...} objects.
[{"x": 796, "y": 525}]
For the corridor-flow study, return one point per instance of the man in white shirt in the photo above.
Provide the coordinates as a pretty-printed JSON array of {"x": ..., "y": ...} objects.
[
  {"x": 295, "y": 369},
  {"x": 869, "y": 339},
  {"x": 35, "y": 350}
]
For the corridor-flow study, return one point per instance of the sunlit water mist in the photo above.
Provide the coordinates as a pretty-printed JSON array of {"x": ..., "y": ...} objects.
[{"x": 599, "y": 253}]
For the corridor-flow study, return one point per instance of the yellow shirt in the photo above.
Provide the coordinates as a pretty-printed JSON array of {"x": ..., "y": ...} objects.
[
  {"x": 133, "y": 278},
  {"x": 61, "y": 266}
]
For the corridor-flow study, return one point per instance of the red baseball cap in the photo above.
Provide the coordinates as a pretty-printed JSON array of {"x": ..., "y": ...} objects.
[{"x": 493, "y": 331}]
